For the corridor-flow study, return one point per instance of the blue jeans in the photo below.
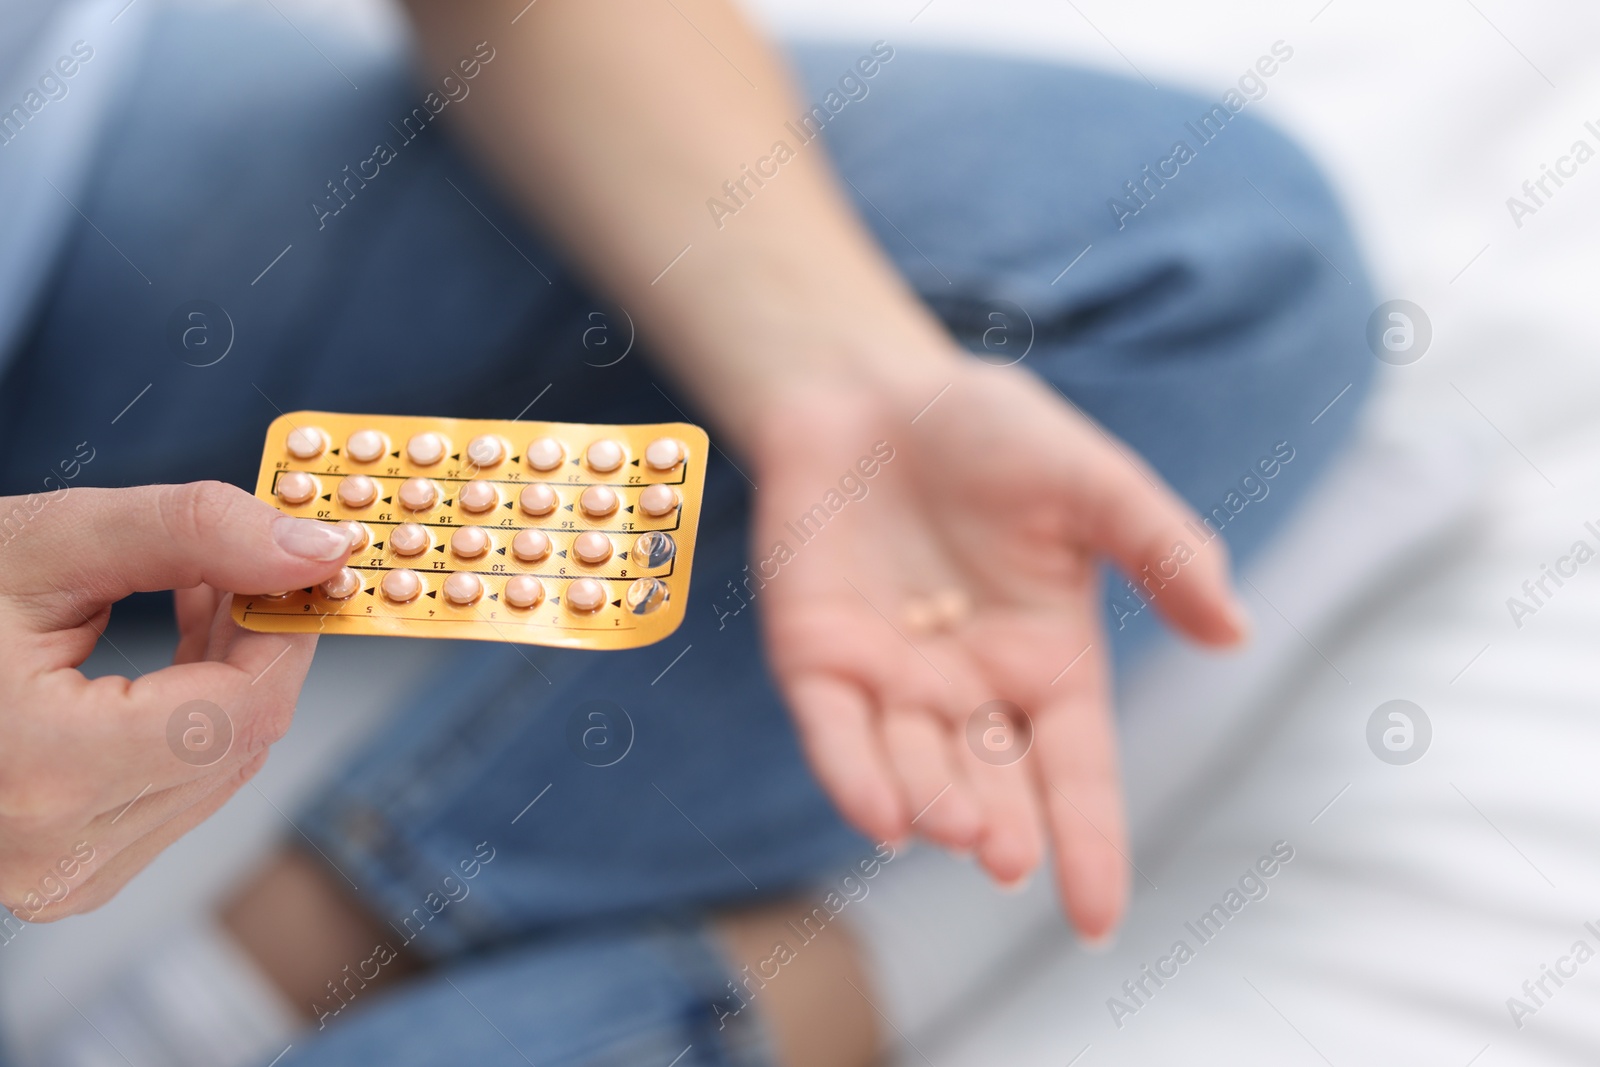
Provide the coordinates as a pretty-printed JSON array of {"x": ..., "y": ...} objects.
[{"x": 1208, "y": 328}]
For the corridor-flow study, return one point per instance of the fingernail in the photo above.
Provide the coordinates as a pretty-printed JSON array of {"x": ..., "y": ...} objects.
[
  {"x": 1017, "y": 886},
  {"x": 1099, "y": 945},
  {"x": 310, "y": 539},
  {"x": 1239, "y": 618}
]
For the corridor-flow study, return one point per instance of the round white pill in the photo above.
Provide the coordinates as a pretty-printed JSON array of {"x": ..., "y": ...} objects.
[
  {"x": 545, "y": 454},
  {"x": 425, "y": 449},
  {"x": 605, "y": 455},
  {"x": 477, "y": 496},
  {"x": 530, "y": 546},
  {"x": 364, "y": 446},
  {"x": 306, "y": 442},
  {"x": 296, "y": 487},
  {"x": 463, "y": 588},
  {"x": 401, "y": 586},
  {"x": 592, "y": 546},
  {"x": 357, "y": 491},
  {"x": 524, "y": 591},
  {"x": 418, "y": 494},
  {"x": 586, "y": 595},
  {"x": 342, "y": 586},
  {"x": 598, "y": 501},
  {"x": 663, "y": 454},
  {"x": 410, "y": 539},
  {"x": 658, "y": 500},
  {"x": 469, "y": 542},
  {"x": 486, "y": 450}
]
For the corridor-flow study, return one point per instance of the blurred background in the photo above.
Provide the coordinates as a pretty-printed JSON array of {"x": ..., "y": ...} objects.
[{"x": 1430, "y": 879}]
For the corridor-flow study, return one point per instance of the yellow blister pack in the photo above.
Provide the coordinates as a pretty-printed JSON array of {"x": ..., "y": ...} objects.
[{"x": 545, "y": 533}]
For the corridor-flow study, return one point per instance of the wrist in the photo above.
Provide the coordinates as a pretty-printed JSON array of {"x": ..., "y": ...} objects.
[
  {"x": 770, "y": 337},
  {"x": 856, "y": 350}
]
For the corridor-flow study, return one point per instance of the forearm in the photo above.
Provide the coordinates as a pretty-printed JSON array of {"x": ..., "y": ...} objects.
[{"x": 613, "y": 123}]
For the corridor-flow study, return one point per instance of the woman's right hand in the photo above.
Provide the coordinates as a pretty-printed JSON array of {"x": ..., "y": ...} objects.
[{"x": 98, "y": 776}]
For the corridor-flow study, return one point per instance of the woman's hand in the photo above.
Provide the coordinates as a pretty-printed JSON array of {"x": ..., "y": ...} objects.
[
  {"x": 999, "y": 497},
  {"x": 967, "y": 572},
  {"x": 98, "y": 776}
]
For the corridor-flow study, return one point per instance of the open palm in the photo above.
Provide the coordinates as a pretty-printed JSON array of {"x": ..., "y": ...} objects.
[{"x": 922, "y": 566}]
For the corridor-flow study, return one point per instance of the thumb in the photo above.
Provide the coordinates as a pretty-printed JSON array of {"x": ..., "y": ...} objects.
[
  {"x": 1176, "y": 562},
  {"x": 103, "y": 544}
]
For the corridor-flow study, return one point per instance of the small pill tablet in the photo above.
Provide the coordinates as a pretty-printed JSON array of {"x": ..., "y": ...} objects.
[
  {"x": 360, "y": 536},
  {"x": 658, "y": 500},
  {"x": 342, "y": 586},
  {"x": 418, "y": 494},
  {"x": 950, "y": 606},
  {"x": 478, "y": 497},
  {"x": 605, "y": 455},
  {"x": 463, "y": 588},
  {"x": 364, "y": 446},
  {"x": 469, "y": 542},
  {"x": 918, "y": 616},
  {"x": 486, "y": 450},
  {"x": 359, "y": 491},
  {"x": 425, "y": 449},
  {"x": 598, "y": 501},
  {"x": 524, "y": 591},
  {"x": 401, "y": 586},
  {"x": 545, "y": 454},
  {"x": 296, "y": 487},
  {"x": 586, "y": 595},
  {"x": 538, "y": 499},
  {"x": 942, "y": 610},
  {"x": 530, "y": 546},
  {"x": 410, "y": 539},
  {"x": 592, "y": 546},
  {"x": 663, "y": 454},
  {"x": 306, "y": 442}
]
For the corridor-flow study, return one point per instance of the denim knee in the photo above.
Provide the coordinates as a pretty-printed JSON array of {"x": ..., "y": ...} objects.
[{"x": 658, "y": 995}]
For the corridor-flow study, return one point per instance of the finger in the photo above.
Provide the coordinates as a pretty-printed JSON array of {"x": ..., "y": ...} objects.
[
  {"x": 1163, "y": 548},
  {"x": 1077, "y": 768},
  {"x": 931, "y": 784},
  {"x": 841, "y": 743},
  {"x": 1013, "y": 841},
  {"x": 184, "y": 722},
  {"x": 149, "y": 809},
  {"x": 99, "y": 545},
  {"x": 254, "y": 678},
  {"x": 118, "y": 865},
  {"x": 195, "y": 609},
  {"x": 1013, "y": 833}
]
